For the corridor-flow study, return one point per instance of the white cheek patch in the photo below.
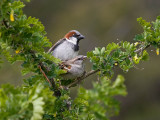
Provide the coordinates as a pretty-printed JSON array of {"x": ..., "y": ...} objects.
[{"x": 72, "y": 40}]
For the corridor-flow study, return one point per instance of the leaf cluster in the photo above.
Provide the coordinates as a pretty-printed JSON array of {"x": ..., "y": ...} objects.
[
  {"x": 21, "y": 103},
  {"x": 100, "y": 103},
  {"x": 42, "y": 95}
]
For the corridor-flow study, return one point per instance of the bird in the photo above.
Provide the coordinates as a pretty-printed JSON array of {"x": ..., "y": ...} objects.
[
  {"x": 68, "y": 47},
  {"x": 75, "y": 67}
]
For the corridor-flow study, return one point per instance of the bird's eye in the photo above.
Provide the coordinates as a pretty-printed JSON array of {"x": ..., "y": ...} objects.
[
  {"x": 75, "y": 35},
  {"x": 79, "y": 58}
]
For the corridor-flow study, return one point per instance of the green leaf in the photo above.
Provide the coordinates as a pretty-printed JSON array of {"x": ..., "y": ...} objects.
[
  {"x": 96, "y": 51},
  {"x": 89, "y": 54},
  {"x": 145, "y": 56},
  {"x": 103, "y": 50},
  {"x": 110, "y": 47},
  {"x": 38, "y": 108},
  {"x": 17, "y": 5},
  {"x": 15, "y": 103},
  {"x": 100, "y": 101}
]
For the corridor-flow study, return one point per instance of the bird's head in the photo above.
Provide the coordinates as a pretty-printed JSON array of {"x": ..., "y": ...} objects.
[
  {"x": 79, "y": 59},
  {"x": 74, "y": 36}
]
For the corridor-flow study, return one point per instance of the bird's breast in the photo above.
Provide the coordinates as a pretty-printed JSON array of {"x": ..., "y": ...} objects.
[
  {"x": 65, "y": 51},
  {"x": 75, "y": 72}
]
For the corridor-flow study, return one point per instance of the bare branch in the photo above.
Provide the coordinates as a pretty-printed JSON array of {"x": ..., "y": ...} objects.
[
  {"x": 78, "y": 80},
  {"x": 44, "y": 75},
  {"x": 141, "y": 49}
]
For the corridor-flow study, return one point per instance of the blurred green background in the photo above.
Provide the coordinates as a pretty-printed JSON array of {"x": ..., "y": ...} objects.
[{"x": 102, "y": 22}]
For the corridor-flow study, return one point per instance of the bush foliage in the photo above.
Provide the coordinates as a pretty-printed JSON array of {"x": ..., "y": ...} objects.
[{"x": 42, "y": 96}]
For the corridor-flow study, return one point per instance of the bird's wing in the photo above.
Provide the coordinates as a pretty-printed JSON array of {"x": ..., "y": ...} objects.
[
  {"x": 55, "y": 45},
  {"x": 65, "y": 66}
]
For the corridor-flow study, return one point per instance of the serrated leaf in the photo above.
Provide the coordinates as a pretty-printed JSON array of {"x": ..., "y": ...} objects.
[
  {"x": 89, "y": 54},
  {"x": 102, "y": 50},
  {"x": 145, "y": 56},
  {"x": 96, "y": 51},
  {"x": 37, "y": 109}
]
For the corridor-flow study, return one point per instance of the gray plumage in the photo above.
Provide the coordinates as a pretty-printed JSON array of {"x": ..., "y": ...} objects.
[
  {"x": 65, "y": 51},
  {"x": 75, "y": 67},
  {"x": 68, "y": 47}
]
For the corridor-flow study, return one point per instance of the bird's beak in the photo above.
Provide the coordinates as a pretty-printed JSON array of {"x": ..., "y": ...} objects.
[
  {"x": 81, "y": 37},
  {"x": 84, "y": 57}
]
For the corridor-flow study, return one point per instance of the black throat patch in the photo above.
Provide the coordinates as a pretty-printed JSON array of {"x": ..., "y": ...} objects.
[{"x": 76, "y": 47}]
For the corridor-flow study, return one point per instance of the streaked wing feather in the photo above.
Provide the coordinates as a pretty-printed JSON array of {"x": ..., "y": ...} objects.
[
  {"x": 65, "y": 66},
  {"x": 55, "y": 45}
]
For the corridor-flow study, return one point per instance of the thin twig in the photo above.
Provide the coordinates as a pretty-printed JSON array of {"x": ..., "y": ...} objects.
[
  {"x": 44, "y": 75},
  {"x": 5, "y": 23},
  {"x": 78, "y": 80},
  {"x": 83, "y": 77},
  {"x": 142, "y": 48},
  {"x": 51, "y": 81}
]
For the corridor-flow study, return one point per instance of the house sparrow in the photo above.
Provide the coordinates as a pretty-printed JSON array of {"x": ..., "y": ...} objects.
[
  {"x": 68, "y": 47},
  {"x": 74, "y": 67}
]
